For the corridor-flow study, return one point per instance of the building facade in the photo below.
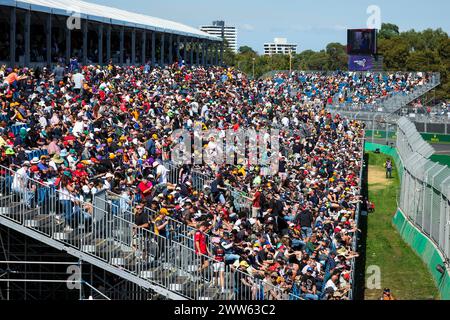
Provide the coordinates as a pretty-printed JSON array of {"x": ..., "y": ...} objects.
[
  {"x": 279, "y": 46},
  {"x": 44, "y": 32},
  {"x": 230, "y": 33}
]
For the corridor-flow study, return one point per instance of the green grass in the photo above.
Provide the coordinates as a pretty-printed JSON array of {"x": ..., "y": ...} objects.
[
  {"x": 441, "y": 159},
  {"x": 401, "y": 269}
]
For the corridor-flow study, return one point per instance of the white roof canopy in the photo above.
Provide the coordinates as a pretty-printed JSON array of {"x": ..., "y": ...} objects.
[{"x": 109, "y": 15}]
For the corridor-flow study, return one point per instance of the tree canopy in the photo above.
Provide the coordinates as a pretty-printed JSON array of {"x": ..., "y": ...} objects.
[{"x": 427, "y": 50}]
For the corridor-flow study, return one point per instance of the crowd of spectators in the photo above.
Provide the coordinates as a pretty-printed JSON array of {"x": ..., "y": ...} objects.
[
  {"x": 363, "y": 91},
  {"x": 83, "y": 129}
]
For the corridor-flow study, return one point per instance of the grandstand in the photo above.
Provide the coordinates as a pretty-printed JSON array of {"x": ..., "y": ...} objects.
[
  {"x": 95, "y": 205},
  {"x": 39, "y": 34}
]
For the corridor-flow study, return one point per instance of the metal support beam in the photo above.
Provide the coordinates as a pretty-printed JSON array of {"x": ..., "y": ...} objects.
[
  {"x": 144, "y": 47},
  {"x": 197, "y": 52},
  {"x": 48, "y": 37},
  {"x": 108, "y": 43},
  {"x": 170, "y": 48},
  {"x": 100, "y": 44},
  {"x": 185, "y": 50},
  {"x": 122, "y": 42},
  {"x": 89, "y": 259},
  {"x": 85, "y": 41},
  {"x": 216, "y": 58},
  {"x": 203, "y": 53},
  {"x": 68, "y": 44},
  {"x": 163, "y": 38},
  {"x": 206, "y": 53},
  {"x": 27, "y": 36},
  {"x": 177, "y": 49},
  {"x": 153, "y": 48},
  {"x": 12, "y": 37},
  {"x": 133, "y": 47},
  {"x": 191, "y": 51}
]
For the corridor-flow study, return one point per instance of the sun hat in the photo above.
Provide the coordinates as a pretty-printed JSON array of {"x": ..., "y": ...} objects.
[
  {"x": 35, "y": 160},
  {"x": 57, "y": 159}
]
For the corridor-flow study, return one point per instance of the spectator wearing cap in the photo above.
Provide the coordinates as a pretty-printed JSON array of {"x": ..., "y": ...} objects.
[
  {"x": 387, "y": 295},
  {"x": 219, "y": 264},
  {"x": 308, "y": 286},
  {"x": 160, "y": 172},
  {"x": 108, "y": 181},
  {"x": 320, "y": 165},
  {"x": 227, "y": 244}
]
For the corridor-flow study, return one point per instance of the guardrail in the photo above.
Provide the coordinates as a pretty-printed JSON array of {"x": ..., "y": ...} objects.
[
  {"x": 425, "y": 189},
  {"x": 102, "y": 233}
]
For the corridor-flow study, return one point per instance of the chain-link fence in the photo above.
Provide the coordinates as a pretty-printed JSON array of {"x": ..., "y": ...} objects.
[{"x": 425, "y": 190}]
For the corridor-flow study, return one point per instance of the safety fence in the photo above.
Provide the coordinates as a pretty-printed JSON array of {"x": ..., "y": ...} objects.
[
  {"x": 202, "y": 181},
  {"x": 382, "y": 128},
  {"x": 105, "y": 231},
  {"x": 425, "y": 189}
]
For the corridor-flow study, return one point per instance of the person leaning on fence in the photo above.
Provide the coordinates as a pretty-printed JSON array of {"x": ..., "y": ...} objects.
[{"x": 388, "y": 167}]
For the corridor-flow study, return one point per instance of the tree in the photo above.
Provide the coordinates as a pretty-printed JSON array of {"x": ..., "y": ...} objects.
[
  {"x": 388, "y": 31},
  {"x": 337, "y": 56},
  {"x": 318, "y": 61},
  {"x": 246, "y": 50},
  {"x": 427, "y": 50}
]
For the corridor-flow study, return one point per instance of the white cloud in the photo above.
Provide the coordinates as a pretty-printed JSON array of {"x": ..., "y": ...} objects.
[
  {"x": 337, "y": 27},
  {"x": 248, "y": 27}
]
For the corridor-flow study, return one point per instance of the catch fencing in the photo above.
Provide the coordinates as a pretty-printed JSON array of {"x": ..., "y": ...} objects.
[{"x": 425, "y": 189}]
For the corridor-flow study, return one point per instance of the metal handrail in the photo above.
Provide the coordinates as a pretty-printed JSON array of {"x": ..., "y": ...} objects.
[{"x": 111, "y": 238}]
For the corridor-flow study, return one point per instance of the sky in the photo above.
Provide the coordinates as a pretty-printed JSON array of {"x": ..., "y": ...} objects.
[{"x": 311, "y": 24}]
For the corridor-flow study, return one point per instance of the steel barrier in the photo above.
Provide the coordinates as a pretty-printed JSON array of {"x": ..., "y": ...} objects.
[{"x": 425, "y": 189}]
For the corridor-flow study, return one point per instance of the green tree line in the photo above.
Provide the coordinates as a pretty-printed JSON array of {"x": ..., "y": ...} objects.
[{"x": 427, "y": 50}]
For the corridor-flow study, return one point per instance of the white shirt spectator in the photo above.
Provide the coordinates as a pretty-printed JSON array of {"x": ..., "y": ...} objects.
[
  {"x": 78, "y": 80},
  {"x": 161, "y": 171}
]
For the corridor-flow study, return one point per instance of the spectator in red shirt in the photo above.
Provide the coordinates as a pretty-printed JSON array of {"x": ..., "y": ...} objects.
[
  {"x": 201, "y": 248},
  {"x": 256, "y": 205},
  {"x": 145, "y": 188}
]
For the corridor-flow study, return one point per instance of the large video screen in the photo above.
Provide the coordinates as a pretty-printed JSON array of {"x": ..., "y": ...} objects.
[{"x": 362, "y": 41}]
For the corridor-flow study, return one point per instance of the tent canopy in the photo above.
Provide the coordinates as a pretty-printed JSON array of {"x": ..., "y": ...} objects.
[{"x": 109, "y": 15}]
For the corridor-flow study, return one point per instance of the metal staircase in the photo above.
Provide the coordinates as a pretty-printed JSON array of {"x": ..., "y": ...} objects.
[{"x": 104, "y": 238}]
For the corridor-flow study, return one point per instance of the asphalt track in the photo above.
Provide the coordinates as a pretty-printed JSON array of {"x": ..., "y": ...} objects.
[{"x": 441, "y": 148}]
